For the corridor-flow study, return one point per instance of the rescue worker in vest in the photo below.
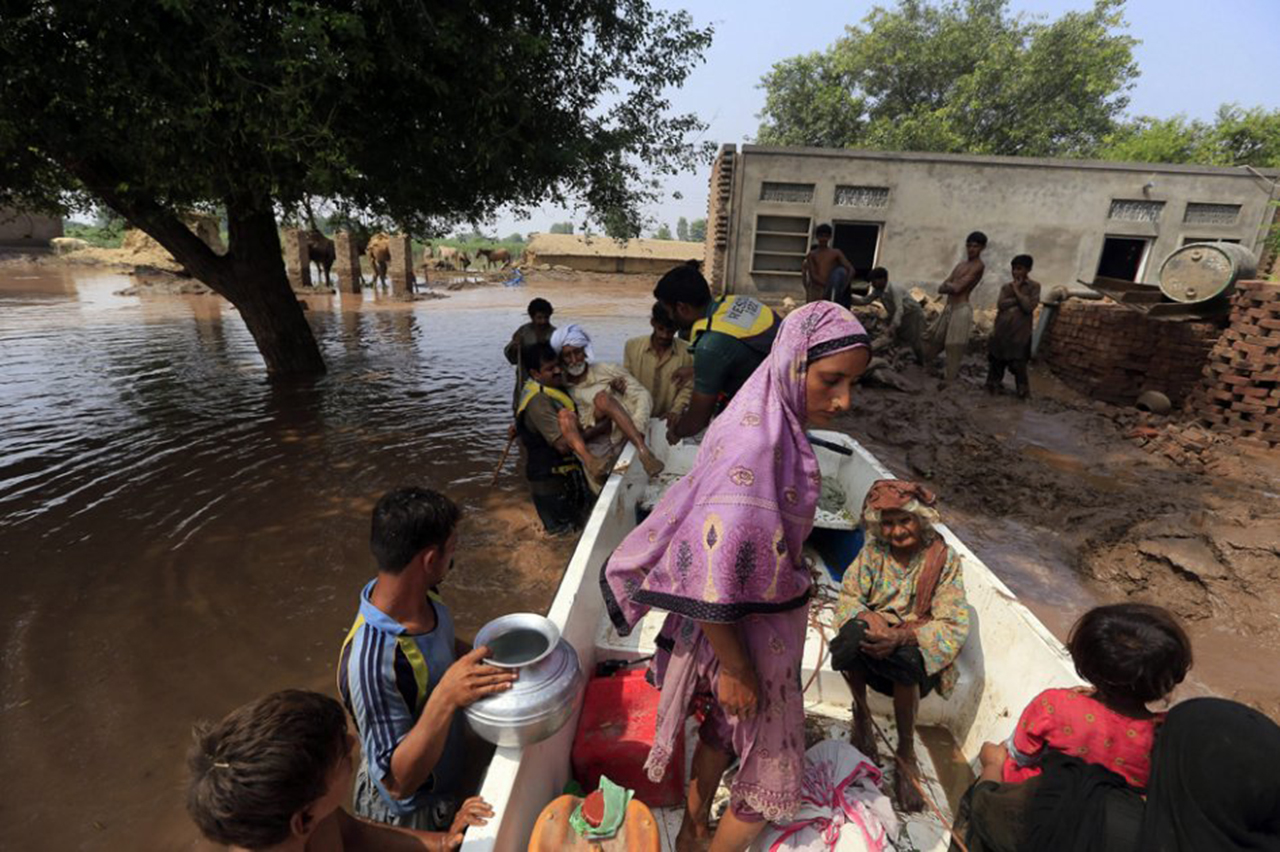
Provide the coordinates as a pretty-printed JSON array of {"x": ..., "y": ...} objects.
[
  {"x": 556, "y": 482},
  {"x": 729, "y": 337}
]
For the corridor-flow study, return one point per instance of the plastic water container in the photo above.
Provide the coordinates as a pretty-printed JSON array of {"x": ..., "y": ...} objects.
[{"x": 615, "y": 733}]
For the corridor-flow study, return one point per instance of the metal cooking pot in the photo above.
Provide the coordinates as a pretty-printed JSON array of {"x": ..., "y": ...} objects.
[{"x": 545, "y": 695}]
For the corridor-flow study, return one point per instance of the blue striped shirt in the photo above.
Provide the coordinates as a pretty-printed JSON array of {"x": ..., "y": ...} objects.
[{"x": 385, "y": 675}]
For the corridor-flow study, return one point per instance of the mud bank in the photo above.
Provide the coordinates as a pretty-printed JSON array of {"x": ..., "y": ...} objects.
[{"x": 1056, "y": 499}]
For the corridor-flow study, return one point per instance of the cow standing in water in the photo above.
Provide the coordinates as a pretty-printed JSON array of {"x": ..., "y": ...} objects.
[
  {"x": 500, "y": 256},
  {"x": 322, "y": 253},
  {"x": 379, "y": 252}
]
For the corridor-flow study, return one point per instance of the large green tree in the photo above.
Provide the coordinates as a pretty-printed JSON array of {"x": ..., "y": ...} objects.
[
  {"x": 958, "y": 77},
  {"x": 1235, "y": 137},
  {"x": 418, "y": 114}
]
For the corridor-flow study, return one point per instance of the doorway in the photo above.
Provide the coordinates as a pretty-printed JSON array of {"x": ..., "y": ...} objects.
[
  {"x": 1123, "y": 258},
  {"x": 860, "y": 242}
]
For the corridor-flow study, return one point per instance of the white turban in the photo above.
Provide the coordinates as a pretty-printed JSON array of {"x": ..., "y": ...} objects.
[{"x": 572, "y": 335}]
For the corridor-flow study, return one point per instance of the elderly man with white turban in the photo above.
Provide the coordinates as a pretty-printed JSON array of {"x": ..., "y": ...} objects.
[{"x": 610, "y": 404}]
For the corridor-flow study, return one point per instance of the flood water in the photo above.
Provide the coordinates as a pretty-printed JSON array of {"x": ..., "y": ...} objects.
[{"x": 178, "y": 536}]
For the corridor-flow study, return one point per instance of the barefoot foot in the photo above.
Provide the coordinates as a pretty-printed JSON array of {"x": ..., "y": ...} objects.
[
  {"x": 906, "y": 792},
  {"x": 652, "y": 464},
  {"x": 863, "y": 738},
  {"x": 693, "y": 836}
]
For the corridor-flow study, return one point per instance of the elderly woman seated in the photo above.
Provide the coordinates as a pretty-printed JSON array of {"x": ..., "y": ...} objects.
[{"x": 902, "y": 620}]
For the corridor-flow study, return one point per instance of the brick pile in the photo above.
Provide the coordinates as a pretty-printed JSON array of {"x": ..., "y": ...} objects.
[
  {"x": 1172, "y": 436},
  {"x": 1240, "y": 394},
  {"x": 1114, "y": 354}
]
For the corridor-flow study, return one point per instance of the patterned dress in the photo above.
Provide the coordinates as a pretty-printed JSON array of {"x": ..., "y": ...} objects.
[
  {"x": 876, "y": 582},
  {"x": 1073, "y": 722}
]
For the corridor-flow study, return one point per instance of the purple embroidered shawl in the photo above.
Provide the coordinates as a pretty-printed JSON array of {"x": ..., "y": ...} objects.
[{"x": 724, "y": 542}]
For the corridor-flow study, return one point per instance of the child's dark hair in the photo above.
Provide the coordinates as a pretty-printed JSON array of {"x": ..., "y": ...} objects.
[
  {"x": 406, "y": 521},
  {"x": 878, "y": 274},
  {"x": 662, "y": 318},
  {"x": 534, "y": 355},
  {"x": 1023, "y": 260},
  {"x": 823, "y": 230},
  {"x": 977, "y": 237},
  {"x": 540, "y": 306},
  {"x": 1130, "y": 650},
  {"x": 251, "y": 772}
]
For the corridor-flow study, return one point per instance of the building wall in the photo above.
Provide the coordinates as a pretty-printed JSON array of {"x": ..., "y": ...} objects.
[
  {"x": 1112, "y": 353},
  {"x": 607, "y": 263},
  {"x": 27, "y": 229},
  {"x": 1059, "y": 211}
]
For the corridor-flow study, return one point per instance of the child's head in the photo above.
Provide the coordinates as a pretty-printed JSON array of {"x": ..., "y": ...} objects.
[
  {"x": 974, "y": 244},
  {"x": 822, "y": 234},
  {"x": 1021, "y": 266},
  {"x": 1132, "y": 651},
  {"x": 271, "y": 770},
  {"x": 879, "y": 278},
  {"x": 407, "y": 522},
  {"x": 540, "y": 312}
]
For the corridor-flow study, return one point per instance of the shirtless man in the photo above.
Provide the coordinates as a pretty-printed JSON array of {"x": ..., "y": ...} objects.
[
  {"x": 827, "y": 272},
  {"x": 951, "y": 331}
]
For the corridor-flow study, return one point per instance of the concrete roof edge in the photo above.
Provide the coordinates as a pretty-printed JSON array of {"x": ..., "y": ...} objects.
[{"x": 996, "y": 160}]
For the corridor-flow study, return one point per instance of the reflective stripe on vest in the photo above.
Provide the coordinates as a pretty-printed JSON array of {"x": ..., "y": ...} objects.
[
  {"x": 742, "y": 318},
  {"x": 532, "y": 389}
]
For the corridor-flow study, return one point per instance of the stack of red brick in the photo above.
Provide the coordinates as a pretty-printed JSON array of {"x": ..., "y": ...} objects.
[
  {"x": 1112, "y": 353},
  {"x": 1241, "y": 388}
]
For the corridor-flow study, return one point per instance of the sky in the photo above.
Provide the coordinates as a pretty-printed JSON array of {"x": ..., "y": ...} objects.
[{"x": 1192, "y": 57}]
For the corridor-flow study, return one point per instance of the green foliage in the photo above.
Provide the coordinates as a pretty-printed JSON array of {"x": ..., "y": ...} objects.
[
  {"x": 516, "y": 238},
  {"x": 402, "y": 112},
  {"x": 1236, "y": 137},
  {"x": 682, "y": 229},
  {"x": 698, "y": 230},
  {"x": 663, "y": 232},
  {"x": 562, "y": 228},
  {"x": 957, "y": 77},
  {"x": 107, "y": 230}
]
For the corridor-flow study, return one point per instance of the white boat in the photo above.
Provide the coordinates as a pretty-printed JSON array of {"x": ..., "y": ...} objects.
[{"x": 1009, "y": 657}]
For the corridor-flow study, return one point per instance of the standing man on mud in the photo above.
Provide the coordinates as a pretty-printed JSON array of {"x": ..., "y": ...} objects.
[
  {"x": 951, "y": 331},
  {"x": 728, "y": 337},
  {"x": 1010, "y": 344},
  {"x": 828, "y": 274}
]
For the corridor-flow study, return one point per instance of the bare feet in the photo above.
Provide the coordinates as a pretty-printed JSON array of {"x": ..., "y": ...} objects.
[
  {"x": 597, "y": 467},
  {"x": 694, "y": 836},
  {"x": 863, "y": 737},
  {"x": 907, "y": 794},
  {"x": 652, "y": 464}
]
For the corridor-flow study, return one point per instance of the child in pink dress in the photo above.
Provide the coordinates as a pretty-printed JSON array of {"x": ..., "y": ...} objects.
[{"x": 1133, "y": 654}]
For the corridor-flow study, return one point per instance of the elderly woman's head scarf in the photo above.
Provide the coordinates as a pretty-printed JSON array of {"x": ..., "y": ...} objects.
[
  {"x": 889, "y": 494},
  {"x": 573, "y": 335},
  {"x": 724, "y": 542}
]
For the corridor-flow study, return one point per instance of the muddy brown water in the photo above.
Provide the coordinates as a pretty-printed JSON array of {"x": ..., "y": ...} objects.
[{"x": 179, "y": 537}]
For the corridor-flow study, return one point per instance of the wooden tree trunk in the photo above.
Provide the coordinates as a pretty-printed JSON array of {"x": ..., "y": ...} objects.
[{"x": 251, "y": 275}]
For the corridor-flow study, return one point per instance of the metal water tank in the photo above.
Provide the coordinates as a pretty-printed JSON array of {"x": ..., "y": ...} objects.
[{"x": 1201, "y": 272}]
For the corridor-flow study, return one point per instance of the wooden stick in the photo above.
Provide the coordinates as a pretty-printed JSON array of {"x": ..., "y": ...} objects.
[{"x": 505, "y": 452}]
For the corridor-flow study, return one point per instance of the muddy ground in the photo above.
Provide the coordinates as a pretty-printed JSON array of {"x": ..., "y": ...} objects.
[{"x": 1059, "y": 500}]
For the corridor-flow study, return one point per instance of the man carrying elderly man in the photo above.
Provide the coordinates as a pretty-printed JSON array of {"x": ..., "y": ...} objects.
[{"x": 609, "y": 403}]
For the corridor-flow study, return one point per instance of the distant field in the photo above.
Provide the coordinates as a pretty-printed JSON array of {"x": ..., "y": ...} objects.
[{"x": 94, "y": 235}]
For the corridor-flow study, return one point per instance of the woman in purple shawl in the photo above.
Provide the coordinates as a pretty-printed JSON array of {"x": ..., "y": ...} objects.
[{"x": 721, "y": 554}]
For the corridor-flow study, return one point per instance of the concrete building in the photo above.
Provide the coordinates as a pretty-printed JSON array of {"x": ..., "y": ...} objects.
[
  {"x": 27, "y": 229},
  {"x": 910, "y": 212},
  {"x": 604, "y": 254}
]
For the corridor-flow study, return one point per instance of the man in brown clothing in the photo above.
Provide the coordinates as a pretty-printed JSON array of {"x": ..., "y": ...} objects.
[
  {"x": 1010, "y": 344},
  {"x": 951, "y": 330}
]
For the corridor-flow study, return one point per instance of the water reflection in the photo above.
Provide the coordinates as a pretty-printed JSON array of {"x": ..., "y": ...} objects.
[{"x": 178, "y": 535}]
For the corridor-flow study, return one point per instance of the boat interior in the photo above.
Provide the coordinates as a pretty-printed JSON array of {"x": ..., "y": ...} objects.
[{"x": 1008, "y": 658}]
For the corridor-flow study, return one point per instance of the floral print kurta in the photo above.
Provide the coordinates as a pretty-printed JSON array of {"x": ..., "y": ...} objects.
[{"x": 876, "y": 582}]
